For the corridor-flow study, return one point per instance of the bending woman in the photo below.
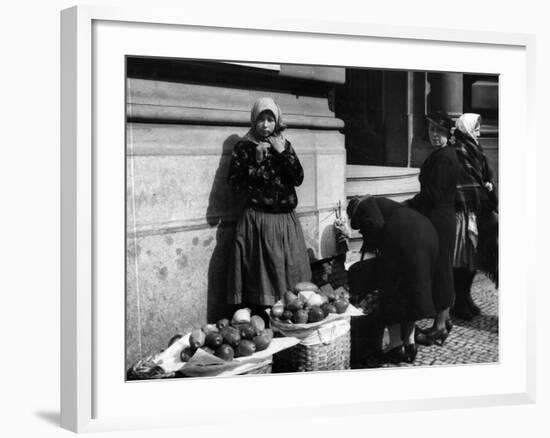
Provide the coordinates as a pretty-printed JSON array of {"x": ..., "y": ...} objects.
[{"x": 408, "y": 248}]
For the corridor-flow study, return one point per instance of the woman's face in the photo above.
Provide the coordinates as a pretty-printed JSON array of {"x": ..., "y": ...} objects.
[
  {"x": 265, "y": 124},
  {"x": 438, "y": 136},
  {"x": 477, "y": 130}
]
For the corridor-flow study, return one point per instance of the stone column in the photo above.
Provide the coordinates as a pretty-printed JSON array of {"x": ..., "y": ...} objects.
[{"x": 446, "y": 93}]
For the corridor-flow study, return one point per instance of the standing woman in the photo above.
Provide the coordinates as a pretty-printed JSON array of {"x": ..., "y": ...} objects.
[
  {"x": 438, "y": 179},
  {"x": 477, "y": 221},
  {"x": 269, "y": 255}
]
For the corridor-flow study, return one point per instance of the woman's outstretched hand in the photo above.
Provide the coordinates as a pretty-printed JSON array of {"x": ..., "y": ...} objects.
[{"x": 489, "y": 186}]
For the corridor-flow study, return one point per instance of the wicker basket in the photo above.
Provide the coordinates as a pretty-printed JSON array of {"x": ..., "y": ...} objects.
[
  {"x": 265, "y": 369},
  {"x": 319, "y": 357}
]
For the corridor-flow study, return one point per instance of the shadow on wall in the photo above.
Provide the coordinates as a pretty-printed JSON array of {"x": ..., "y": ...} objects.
[{"x": 221, "y": 203}]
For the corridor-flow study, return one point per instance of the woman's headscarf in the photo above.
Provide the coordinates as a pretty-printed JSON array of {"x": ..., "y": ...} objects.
[
  {"x": 261, "y": 105},
  {"x": 467, "y": 123},
  {"x": 364, "y": 215},
  {"x": 474, "y": 167},
  {"x": 263, "y": 145},
  {"x": 266, "y": 104}
]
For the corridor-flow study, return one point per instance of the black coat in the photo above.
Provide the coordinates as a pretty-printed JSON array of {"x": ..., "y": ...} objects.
[
  {"x": 408, "y": 249},
  {"x": 438, "y": 179}
]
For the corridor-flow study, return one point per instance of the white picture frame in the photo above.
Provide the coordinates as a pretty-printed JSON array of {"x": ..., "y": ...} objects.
[{"x": 89, "y": 399}]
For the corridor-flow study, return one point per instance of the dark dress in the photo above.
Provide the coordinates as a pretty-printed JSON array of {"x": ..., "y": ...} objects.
[
  {"x": 436, "y": 200},
  {"x": 269, "y": 254},
  {"x": 408, "y": 248}
]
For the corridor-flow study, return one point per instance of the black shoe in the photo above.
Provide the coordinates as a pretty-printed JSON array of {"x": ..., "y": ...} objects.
[
  {"x": 439, "y": 336},
  {"x": 432, "y": 337},
  {"x": 410, "y": 352},
  {"x": 448, "y": 325},
  {"x": 421, "y": 337},
  {"x": 418, "y": 329},
  {"x": 395, "y": 355}
]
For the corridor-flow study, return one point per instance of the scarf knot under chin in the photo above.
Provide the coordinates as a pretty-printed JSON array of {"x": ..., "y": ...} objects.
[{"x": 263, "y": 145}]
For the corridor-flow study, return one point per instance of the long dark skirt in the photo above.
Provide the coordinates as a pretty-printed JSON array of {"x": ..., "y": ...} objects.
[
  {"x": 443, "y": 219},
  {"x": 269, "y": 258},
  {"x": 409, "y": 257},
  {"x": 487, "y": 249},
  {"x": 466, "y": 240}
]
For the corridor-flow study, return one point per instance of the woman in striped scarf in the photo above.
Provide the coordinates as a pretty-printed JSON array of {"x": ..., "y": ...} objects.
[{"x": 476, "y": 244}]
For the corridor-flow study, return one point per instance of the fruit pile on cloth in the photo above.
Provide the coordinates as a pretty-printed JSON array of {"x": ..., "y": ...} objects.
[{"x": 205, "y": 364}]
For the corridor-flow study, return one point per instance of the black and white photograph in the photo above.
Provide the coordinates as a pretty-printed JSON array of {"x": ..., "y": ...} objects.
[
  {"x": 314, "y": 219},
  {"x": 285, "y": 218}
]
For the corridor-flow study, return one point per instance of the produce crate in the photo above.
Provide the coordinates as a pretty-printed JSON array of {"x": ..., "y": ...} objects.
[{"x": 324, "y": 356}]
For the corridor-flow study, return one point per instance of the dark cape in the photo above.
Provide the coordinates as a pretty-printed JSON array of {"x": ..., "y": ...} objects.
[
  {"x": 472, "y": 196},
  {"x": 438, "y": 180},
  {"x": 474, "y": 173},
  {"x": 408, "y": 247}
]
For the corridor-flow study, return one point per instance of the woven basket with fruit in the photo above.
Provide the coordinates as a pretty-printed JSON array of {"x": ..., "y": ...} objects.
[
  {"x": 309, "y": 308},
  {"x": 320, "y": 319}
]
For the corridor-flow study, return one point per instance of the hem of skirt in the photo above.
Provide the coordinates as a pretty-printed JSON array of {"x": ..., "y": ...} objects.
[{"x": 243, "y": 299}]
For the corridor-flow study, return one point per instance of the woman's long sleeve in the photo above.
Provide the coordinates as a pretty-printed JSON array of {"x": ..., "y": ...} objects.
[
  {"x": 488, "y": 175},
  {"x": 291, "y": 166},
  {"x": 238, "y": 169}
]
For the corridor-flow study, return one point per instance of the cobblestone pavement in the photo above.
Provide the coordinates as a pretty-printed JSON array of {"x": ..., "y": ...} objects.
[{"x": 469, "y": 342}]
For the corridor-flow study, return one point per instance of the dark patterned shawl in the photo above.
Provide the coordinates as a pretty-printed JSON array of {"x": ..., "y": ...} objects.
[
  {"x": 475, "y": 171},
  {"x": 473, "y": 196}
]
